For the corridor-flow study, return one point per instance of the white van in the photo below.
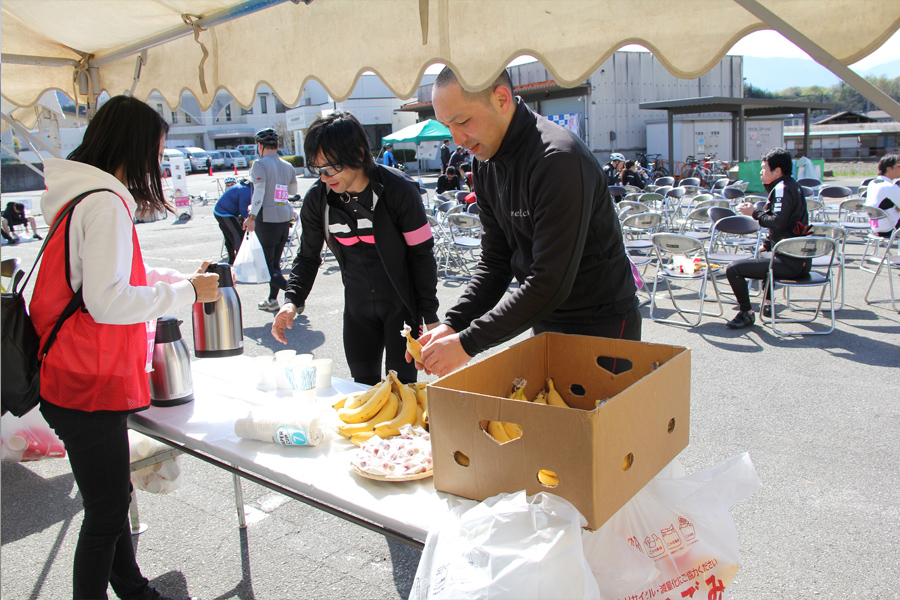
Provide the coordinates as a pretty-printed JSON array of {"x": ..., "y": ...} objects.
[
  {"x": 196, "y": 157},
  {"x": 171, "y": 155}
]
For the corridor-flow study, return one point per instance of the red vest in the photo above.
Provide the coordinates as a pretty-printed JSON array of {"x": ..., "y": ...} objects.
[{"x": 91, "y": 366}]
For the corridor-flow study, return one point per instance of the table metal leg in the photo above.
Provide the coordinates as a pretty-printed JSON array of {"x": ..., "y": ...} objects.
[
  {"x": 239, "y": 499},
  {"x": 134, "y": 518}
]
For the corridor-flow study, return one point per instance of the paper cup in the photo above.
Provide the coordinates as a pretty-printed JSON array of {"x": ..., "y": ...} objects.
[
  {"x": 305, "y": 382},
  {"x": 285, "y": 355},
  {"x": 323, "y": 372},
  {"x": 265, "y": 373}
]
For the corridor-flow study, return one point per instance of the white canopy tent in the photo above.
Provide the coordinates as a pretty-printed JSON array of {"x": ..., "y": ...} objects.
[{"x": 81, "y": 47}]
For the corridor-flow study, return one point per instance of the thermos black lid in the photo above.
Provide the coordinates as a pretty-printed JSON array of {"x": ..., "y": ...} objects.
[
  {"x": 167, "y": 330},
  {"x": 224, "y": 271}
]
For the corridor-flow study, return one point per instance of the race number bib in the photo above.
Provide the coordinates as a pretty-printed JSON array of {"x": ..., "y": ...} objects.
[{"x": 281, "y": 194}]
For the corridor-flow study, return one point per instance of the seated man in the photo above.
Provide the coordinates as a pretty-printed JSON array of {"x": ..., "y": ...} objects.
[
  {"x": 14, "y": 213},
  {"x": 785, "y": 216},
  {"x": 230, "y": 212},
  {"x": 631, "y": 175},
  {"x": 450, "y": 181},
  {"x": 884, "y": 193}
]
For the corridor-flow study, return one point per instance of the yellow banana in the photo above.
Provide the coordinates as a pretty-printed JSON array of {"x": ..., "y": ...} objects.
[
  {"x": 421, "y": 393},
  {"x": 406, "y": 414},
  {"x": 362, "y": 436},
  {"x": 553, "y": 397},
  {"x": 512, "y": 430},
  {"x": 496, "y": 431},
  {"x": 355, "y": 401},
  {"x": 420, "y": 417},
  {"x": 548, "y": 478},
  {"x": 388, "y": 411},
  {"x": 518, "y": 389},
  {"x": 541, "y": 398},
  {"x": 370, "y": 408},
  {"x": 412, "y": 344}
]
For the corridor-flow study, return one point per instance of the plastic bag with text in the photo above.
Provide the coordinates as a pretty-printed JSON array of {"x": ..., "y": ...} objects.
[
  {"x": 250, "y": 261},
  {"x": 675, "y": 539},
  {"x": 28, "y": 438},
  {"x": 161, "y": 478},
  {"x": 509, "y": 546}
]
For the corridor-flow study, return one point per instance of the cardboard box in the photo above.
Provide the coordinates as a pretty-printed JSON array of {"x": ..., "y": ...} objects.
[{"x": 603, "y": 455}]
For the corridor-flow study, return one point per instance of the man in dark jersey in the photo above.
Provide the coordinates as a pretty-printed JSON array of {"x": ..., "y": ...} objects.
[{"x": 547, "y": 220}]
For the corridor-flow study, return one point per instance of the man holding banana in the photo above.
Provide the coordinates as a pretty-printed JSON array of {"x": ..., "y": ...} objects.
[{"x": 547, "y": 220}]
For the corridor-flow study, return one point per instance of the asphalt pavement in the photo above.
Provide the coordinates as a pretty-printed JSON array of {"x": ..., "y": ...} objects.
[{"x": 817, "y": 414}]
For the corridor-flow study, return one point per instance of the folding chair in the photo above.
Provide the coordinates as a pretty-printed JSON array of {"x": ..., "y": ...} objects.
[
  {"x": 833, "y": 194},
  {"x": 664, "y": 181},
  {"x": 892, "y": 262},
  {"x": 733, "y": 195},
  {"x": 853, "y": 218},
  {"x": 668, "y": 246},
  {"x": 729, "y": 235},
  {"x": 464, "y": 236},
  {"x": 11, "y": 269},
  {"x": 840, "y": 236},
  {"x": 672, "y": 205},
  {"x": 617, "y": 191},
  {"x": 808, "y": 248},
  {"x": 626, "y": 208},
  {"x": 875, "y": 215}
]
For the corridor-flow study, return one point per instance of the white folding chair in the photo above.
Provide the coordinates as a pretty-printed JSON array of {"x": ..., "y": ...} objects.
[
  {"x": 807, "y": 248},
  {"x": 672, "y": 250},
  {"x": 464, "y": 237}
]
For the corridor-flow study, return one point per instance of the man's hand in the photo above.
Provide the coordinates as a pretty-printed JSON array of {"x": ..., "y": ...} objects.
[
  {"x": 284, "y": 318},
  {"x": 442, "y": 351},
  {"x": 249, "y": 224},
  {"x": 206, "y": 285},
  {"x": 746, "y": 208}
]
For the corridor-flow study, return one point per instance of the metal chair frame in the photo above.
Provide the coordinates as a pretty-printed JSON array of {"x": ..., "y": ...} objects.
[
  {"x": 839, "y": 235},
  {"x": 809, "y": 248},
  {"x": 669, "y": 245},
  {"x": 892, "y": 261}
]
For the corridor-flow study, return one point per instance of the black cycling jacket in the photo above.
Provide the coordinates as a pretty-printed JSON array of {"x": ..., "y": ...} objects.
[
  {"x": 785, "y": 213},
  {"x": 547, "y": 220}
]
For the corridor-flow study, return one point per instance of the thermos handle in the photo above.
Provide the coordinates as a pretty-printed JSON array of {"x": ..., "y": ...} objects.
[{"x": 210, "y": 307}]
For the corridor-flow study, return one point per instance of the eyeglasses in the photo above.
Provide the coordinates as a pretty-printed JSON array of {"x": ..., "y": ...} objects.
[{"x": 326, "y": 170}]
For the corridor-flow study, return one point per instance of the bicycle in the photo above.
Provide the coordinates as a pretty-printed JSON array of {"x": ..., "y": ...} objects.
[{"x": 652, "y": 165}]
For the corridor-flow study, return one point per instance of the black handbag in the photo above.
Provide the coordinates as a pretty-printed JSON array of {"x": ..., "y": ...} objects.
[{"x": 20, "y": 345}]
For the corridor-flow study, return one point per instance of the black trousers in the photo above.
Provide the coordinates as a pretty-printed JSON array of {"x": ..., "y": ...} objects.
[
  {"x": 626, "y": 328},
  {"x": 233, "y": 233},
  {"x": 273, "y": 237},
  {"x": 372, "y": 330},
  {"x": 97, "y": 447},
  {"x": 740, "y": 271}
]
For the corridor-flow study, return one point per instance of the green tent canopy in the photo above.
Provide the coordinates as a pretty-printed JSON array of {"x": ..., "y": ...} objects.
[{"x": 423, "y": 131}]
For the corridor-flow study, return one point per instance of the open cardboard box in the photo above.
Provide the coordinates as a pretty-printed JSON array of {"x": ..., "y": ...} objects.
[{"x": 602, "y": 454}]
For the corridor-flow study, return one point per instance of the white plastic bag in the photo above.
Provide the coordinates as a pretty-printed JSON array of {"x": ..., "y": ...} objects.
[
  {"x": 509, "y": 546},
  {"x": 161, "y": 478},
  {"x": 250, "y": 262},
  {"x": 28, "y": 438},
  {"x": 676, "y": 537}
]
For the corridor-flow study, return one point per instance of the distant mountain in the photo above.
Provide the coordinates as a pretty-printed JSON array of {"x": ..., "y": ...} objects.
[{"x": 777, "y": 74}]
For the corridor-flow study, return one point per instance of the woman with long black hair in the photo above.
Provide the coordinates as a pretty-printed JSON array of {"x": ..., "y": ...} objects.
[{"x": 96, "y": 373}]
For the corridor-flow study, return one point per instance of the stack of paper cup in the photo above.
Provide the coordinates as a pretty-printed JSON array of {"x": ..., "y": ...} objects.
[{"x": 323, "y": 372}]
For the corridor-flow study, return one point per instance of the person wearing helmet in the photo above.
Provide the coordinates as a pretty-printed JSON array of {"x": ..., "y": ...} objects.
[
  {"x": 230, "y": 212},
  {"x": 389, "y": 159},
  {"x": 270, "y": 215},
  {"x": 614, "y": 167}
]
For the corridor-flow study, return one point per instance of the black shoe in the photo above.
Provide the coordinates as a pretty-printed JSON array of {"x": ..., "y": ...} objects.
[
  {"x": 13, "y": 241},
  {"x": 300, "y": 308},
  {"x": 37, "y": 237},
  {"x": 743, "y": 319},
  {"x": 767, "y": 311}
]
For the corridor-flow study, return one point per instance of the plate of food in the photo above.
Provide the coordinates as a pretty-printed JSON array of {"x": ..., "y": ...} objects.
[{"x": 405, "y": 457}]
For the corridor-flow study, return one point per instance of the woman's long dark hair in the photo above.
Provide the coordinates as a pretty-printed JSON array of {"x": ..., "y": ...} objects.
[
  {"x": 125, "y": 132},
  {"x": 341, "y": 139}
]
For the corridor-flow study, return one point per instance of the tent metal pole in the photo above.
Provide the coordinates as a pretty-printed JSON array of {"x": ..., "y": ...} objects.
[
  {"x": 37, "y": 61},
  {"x": 823, "y": 57},
  {"x": 223, "y": 16}
]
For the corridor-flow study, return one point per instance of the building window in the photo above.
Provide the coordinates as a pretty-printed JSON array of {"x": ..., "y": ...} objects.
[
  {"x": 247, "y": 111},
  {"x": 187, "y": 118},
  {"x": 174, "y": 116},
  {"x": 279, "y": 106},
  {"x": 228, "y": 113},
  {"x": 159, "y": 109},
  {"x": 262, "y": 105}
]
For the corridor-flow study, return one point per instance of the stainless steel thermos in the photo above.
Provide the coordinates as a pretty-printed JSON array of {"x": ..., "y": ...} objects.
[
  {"x": 170, "y": 381},
  {"x": 218, "y": 328}
]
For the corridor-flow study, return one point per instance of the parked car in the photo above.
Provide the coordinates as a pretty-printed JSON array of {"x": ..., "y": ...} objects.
[
  {"x": 196, "y": 157},
  {"x": 171, "y": 155},
  {"x": 234, "y": 158},
  {"x": 244, "y": 147},
  {"x": 218, "y": 160}
]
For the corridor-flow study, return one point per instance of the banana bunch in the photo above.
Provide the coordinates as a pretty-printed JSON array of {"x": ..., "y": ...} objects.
[
  {"x": 382, "y": 410},
  {"x": 506, "y": 432}
]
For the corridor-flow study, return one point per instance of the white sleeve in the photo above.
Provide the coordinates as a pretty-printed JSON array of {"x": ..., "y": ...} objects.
[
  {"x": 258, "y": 177},
  {"x": 105, "y": 253}
]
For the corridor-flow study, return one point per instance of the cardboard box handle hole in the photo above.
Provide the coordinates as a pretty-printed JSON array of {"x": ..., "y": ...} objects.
[
  {"x": 627, "y": 461},
  {"x": 576, "y": 389},
  {"x": 547, "y": 478},
  {"x": 500, "y": 432},
  {"x": 671, "y": 426},
  {"x": 461, "y": 458},
  {"x": 614, "y": 364}
]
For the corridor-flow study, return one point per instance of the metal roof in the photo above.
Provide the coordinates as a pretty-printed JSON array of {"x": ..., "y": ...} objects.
[{"x": 752, "y": 107}]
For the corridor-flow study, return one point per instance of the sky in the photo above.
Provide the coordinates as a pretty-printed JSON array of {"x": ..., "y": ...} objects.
[{"x": 769, "y": 44}]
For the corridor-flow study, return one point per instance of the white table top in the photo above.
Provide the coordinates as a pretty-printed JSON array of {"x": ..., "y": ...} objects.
[{"x": 224, "y": 390}]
